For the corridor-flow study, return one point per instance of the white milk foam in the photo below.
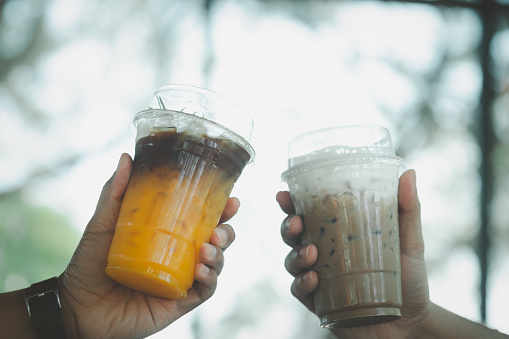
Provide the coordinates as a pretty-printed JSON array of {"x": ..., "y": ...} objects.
[
  {"x": 338, "y": 150},
  {"x": 339, "y": 169}
]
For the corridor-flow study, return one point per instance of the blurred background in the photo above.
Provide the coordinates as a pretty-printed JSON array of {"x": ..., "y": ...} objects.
[{"x": 436, "y": 73}]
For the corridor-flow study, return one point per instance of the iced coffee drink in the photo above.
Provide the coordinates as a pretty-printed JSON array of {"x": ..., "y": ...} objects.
[
  {"x": 347, "y": 197},
  {"x": 184, "y": 169}
]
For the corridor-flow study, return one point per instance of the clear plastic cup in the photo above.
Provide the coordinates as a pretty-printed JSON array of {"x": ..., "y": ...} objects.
[
  {"x": 191, "y": 147},
  {"x": 343, "y": 182}
]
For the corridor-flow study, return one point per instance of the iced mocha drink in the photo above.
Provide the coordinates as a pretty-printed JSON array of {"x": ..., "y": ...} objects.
[{"x": 347, "y": 197}]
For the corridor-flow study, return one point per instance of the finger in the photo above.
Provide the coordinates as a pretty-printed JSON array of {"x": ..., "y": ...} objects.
[
  {"x": 222, "y": 236},
  {"x": 285, "y": 202},
  {"x": 411, "y": 238},
  {"x": 291, "y": 230},
  {"x": 231, "y": 208},
  {"x": 303, "y": 287},
  {"x": 205, "y": 284},
  {"x": 301, "y": 259},
  {"x": 121, "y": 177},
  {"x": 212, "y": 256},
  {"x": 110, "y": 200}
]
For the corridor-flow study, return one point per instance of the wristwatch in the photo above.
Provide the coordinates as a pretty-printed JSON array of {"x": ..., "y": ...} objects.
[{"x": 43, "y": 305}]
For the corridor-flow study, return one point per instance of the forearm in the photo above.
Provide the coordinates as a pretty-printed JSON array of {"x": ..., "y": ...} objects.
[
  {"x": 442, "y": 324},
  {"x": 14, "y": 319}
]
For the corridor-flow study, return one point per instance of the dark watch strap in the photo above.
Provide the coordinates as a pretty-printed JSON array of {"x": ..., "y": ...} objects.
[{"x": 43, "y": 304}]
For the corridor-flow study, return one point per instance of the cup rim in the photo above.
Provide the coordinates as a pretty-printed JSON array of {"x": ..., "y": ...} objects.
[
  {"x": 360, "y": 141},
  {"x": 362, "y": 161}
]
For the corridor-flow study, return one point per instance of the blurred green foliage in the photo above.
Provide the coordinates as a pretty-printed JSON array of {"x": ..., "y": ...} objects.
[{"x": 36, "y": 243}]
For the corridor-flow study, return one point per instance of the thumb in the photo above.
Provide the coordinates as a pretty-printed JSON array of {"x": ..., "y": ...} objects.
[
  {"x": 89, "y": 260},
  {"x": 108, "y": 206},
  {"x": 411, "y": 239}
]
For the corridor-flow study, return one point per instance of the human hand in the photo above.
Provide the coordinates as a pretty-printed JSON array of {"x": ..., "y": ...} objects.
[
  {"x": 95, "y": 306},
  {"x": 416, "y": 302}
]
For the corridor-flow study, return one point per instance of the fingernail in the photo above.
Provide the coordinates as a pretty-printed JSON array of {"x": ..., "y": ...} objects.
[
  {"x": 307, "y": 277},
  {"x": 205, "y": 269},
  {"x": 288, "y": 222},
  {"x": 212, "y": 251},
  {"x": 237, "y": 201},
  {"x": 223, "y": 236},
  {"x": 303, "y": 252}
]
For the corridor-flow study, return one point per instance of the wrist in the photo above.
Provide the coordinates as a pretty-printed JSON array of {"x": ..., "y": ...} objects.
[
  {"x": 427, "y": 325},
  {"x": 42, "y": 303},
  {"x": 14, "y": 319},
  {"x": 67, "y": 311},
  {"x": 443, "y": 324}
]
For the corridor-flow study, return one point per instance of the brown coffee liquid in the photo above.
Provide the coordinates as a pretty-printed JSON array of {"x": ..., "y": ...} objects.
[
  {"x": 358, "y": 257},
  {"x": 171, "y": 149}
]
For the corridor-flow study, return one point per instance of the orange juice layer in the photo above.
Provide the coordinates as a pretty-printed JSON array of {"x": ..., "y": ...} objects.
[
  {"x": 177, "y": 191},
  {"x": 164, "y": 220}
]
